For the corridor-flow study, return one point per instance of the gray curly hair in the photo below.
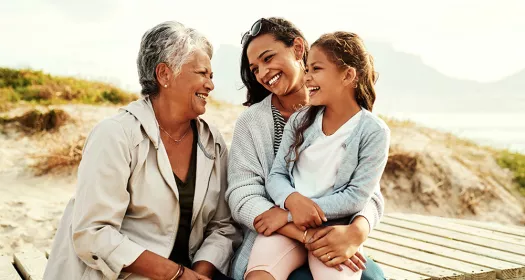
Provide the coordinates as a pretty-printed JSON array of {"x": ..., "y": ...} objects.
[{"x": 169, "y": 42}]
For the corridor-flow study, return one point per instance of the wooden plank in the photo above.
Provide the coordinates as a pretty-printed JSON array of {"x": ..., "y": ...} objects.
[
  {"x": 31, "y": 264},
  {"x": 481, "y": 272},
  {"x": 434, "y": 272},
  {"x": 507, "y": 229},
  {"x": 393, "y": 273},
  {"x": 7, "y": 270},
  {"x": 480, "y": 241},
  {"x": 504, "y": 270},
  {"x": 446, "y": 242},
  {"x": 435, "y": 221}
]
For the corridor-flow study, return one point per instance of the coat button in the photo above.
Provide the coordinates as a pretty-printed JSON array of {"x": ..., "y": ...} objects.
[
  {"x": 344, "y": 145},
  {"x": 94, "y": 257}
]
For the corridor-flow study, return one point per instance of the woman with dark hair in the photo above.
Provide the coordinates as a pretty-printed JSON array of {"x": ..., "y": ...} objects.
[
  {"x": 272, "y": 69},
  {"x": 329, "y": 164}
]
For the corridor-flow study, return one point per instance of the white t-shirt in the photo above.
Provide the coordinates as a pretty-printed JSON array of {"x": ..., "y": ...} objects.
[{"x": 315, "y": 171}]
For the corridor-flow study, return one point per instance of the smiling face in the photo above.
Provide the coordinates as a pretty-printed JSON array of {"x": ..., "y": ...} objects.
[
  {"x": 324, "y": 79},
  {"x": 274, "y": 65},
  {"x": 193, "y": 84}
]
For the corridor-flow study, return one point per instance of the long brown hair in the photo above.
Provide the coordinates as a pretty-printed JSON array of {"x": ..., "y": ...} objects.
[
  {"x": 283, "y": 31},
  {"x": 345, "y": 49}
]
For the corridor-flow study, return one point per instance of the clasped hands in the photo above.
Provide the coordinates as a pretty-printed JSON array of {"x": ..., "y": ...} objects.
[{"x": 332, "y": 245}]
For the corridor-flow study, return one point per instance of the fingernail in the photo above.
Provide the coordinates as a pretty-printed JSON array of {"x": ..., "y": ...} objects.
[
  {"x": 364, "y": 267},
  {"x": 324, "y": 219}
]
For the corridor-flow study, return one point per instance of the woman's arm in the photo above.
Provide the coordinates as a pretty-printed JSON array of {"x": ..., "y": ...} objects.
[
  {"x": 222, "y": 236},
  {"x": 373, "y": 156},
  {"x": 153, "y": 266},
  {"x": 246, "y": 194},
  {"x": 101, "y": 201}
]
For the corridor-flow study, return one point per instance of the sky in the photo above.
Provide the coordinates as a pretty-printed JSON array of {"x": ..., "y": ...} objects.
[{"x": 99, "y": 39}]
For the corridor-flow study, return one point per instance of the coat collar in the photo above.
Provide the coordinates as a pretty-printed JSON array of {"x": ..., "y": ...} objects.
[{"x": 142, "y": 110}]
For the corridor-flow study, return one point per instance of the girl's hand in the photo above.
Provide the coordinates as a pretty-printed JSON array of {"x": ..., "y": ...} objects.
[
  {"x": 270, "y": 221},
  {"x": 336, "y": 245},
  {"x": 305, "y": 212}
]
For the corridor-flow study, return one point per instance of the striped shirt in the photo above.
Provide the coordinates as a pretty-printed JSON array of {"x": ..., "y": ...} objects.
[{"x": 278, "y": 126}]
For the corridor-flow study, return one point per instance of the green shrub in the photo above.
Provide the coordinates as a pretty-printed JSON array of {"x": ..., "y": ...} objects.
[
  {"x": 515, "y": 162},
  {"x": 39, "y": 88}
]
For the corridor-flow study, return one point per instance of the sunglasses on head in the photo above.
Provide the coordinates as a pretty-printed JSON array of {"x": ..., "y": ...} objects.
[{"x": 256, "y": 28}]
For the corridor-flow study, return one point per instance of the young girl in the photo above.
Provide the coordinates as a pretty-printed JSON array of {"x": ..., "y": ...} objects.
[{"x": 330, "y": 160}]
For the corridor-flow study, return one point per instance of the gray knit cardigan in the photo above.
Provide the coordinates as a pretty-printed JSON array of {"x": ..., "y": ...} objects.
[{"x": 249, "y": 165}]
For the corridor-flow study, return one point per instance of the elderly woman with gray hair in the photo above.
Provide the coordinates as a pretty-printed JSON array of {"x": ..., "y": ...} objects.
[{"x": 149, "y": 202}]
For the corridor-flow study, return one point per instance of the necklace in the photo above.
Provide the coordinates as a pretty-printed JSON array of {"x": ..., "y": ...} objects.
[
  {"x": 295, "y": 107},
  {"x": 173, "y": 139}
]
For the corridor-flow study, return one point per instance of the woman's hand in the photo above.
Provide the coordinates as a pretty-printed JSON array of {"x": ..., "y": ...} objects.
[
  {"x": 338, "y": 245},
  {"x": 305, "y": 212},
  {"x": 270, "y": 221},
  {"x": 192, "y": 275}
]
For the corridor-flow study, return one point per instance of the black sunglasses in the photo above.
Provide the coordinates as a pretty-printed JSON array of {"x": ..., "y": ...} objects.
[{"x": 256, "y": 28}]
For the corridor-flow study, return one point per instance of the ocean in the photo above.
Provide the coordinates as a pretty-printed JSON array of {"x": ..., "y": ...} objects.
[{"x": 499, "y": 130}]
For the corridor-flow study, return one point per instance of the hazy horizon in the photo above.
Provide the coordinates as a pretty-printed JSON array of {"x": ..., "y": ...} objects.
[{"x": 469, "y": 40}]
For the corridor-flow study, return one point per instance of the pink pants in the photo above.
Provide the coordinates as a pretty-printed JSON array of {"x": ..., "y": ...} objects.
[{"x": 279, "y": 256}]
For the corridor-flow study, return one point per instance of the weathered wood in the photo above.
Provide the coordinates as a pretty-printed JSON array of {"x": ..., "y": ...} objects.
[
  {"x": 469, "y": 238},
  {"x": 7, "y": 270},
  {"x": 437, "y": 222},
  {"x": 481, "y": 272},
  {"x": 504, "y": 270},
  {"x": 505, "y": 229},
  {"x": 31, "y": 264},
  {"x": 393, "y": 273},
  {"x": 434, "y": 272},
  {"x": 446, "y": 242}
]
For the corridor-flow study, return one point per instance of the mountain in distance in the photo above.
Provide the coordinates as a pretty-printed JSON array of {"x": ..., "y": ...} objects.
[{"x": 405, "y": 83}]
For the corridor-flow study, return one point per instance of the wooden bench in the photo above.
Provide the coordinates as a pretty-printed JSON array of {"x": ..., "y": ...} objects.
[
  {"x": 409, "y": 246},
  {"x": 27, "y": 265},
  {"x": 406, "y": 246}
]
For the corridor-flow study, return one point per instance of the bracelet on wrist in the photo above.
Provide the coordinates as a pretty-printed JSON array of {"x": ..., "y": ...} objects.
[
  {"x": 179, "y": 273},
  {"x": 304, "y": 236}
]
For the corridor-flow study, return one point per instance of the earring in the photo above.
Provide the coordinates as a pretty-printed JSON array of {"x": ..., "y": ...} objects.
[
  {"x": 355, "y": 86},
  {"x": 165, "y": 86}
]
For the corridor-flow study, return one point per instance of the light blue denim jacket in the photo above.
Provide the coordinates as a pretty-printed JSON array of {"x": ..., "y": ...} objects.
[{"x": 360, "y": 172}]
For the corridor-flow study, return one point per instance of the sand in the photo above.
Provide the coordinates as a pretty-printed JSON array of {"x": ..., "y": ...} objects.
[{"x": 449, "y": 178}]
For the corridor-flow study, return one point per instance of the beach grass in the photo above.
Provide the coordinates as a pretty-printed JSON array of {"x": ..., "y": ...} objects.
[
  {"x": 37, "y": 87},
  {"x": 515, "y": 162}
]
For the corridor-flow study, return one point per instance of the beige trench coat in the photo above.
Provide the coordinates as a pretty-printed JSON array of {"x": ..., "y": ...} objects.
[{"x": 126, "y": 201}]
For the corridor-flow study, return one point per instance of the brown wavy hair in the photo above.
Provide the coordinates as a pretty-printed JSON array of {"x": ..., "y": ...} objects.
[{"x": 345, "y": 49}]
